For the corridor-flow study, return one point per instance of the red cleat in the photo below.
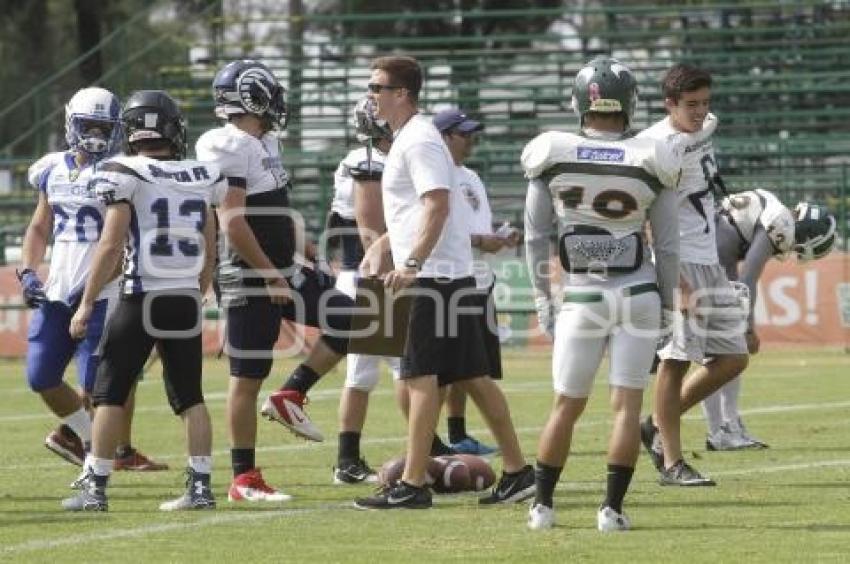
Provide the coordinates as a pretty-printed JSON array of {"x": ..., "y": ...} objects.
[
  {"x": 287, "y": 408},
  {"x": 250, "y": 486},
  {"x": 138, "y": 462}
]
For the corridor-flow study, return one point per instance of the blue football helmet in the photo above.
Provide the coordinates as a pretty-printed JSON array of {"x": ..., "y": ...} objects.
[
  {"x": 814, "y": 231},
  {"x": 93, "y": 122},
  {"x": 250, "y": 87}
]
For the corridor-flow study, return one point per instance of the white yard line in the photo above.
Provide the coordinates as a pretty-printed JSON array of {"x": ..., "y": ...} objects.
[
  {"x": 694, "y": 415},
  {"x": 144, "y": 531},
  {"x": 243, "y": 516}
]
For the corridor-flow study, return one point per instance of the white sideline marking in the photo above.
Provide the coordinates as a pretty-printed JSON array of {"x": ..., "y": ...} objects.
[
  {"x": 242, "y": 516},
  {"x": 109, "y": 534},
  {"x": 784, "y": 467},
  {"x": 694, "y": 415}
]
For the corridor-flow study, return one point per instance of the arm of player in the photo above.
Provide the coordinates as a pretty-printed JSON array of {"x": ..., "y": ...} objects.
[
  {"x": 369, "y": 211},
  {"x": 33, "y": 250},
  {"x": 539, "y": 218},
  {"x": 760, "y": 251},
  {"x": 109, "y": 251},
  {"x": 231, "y": 216},
  {"x": 435, "y": 210},
  {"x": 206, "y": 276},
  {"x": 665, "y": 237},
  {"x": 37, "y": 235}
]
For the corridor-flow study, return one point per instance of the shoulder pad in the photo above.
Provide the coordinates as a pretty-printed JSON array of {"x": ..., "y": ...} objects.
[
  {"x": 778, "y": 222},
  {"x": 42, "y": 165},
  {"x": 363, "y": 170},
  {"x": 218, "y": 142},
  {"x": 546, "y": 150}
]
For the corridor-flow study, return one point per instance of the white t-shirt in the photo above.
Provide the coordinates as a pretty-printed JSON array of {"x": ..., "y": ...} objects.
[
  {"x": 356, "y": 160},
  {"x": 695, "y": 191},
  {"x": 77, "y": 224},
  {"x": 417, "y": 163},
  {"x": 479, "y": 219},
  {"x": 169, "y": 205}
]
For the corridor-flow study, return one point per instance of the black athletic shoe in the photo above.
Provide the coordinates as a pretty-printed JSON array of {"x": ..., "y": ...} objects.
[
  {"x": 439, "y": 448},
  {"x": 651, "y": 440},
  {"x": 512, "y": 488},
  {"x": 354, "y": 472},
  {"x": 400, "y": 495},
  {"x": 198, "y": 494},
  {"x": 682, "y": 474}
]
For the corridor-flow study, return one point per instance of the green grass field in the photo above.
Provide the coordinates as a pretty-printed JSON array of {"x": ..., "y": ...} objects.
[{"x": 788, "y": 503}]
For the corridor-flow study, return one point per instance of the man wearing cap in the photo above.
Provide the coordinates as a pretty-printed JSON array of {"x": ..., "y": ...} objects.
[{"x": 459, "y": 133}]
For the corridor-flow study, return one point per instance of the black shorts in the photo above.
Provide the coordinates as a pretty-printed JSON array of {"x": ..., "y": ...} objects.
[
  {"x": 253, "y": 326},
  {"x": 490, "y": 331},
  {"x": 445, "y": 337},
  {"x": 128, "y": 343}
]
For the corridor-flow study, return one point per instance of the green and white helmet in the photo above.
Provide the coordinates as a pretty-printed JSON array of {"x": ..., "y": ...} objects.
[
  {"x": 605, "y": 85},
  {"x": 814, "y": 231}
]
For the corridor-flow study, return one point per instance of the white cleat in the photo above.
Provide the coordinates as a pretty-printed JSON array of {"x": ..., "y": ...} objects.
[
  {"x": 540, "y": 517},
  {"x": 608, "y": 520},
  {"x": 287, "y": 408},
  {"x": 725, "y": 439}
]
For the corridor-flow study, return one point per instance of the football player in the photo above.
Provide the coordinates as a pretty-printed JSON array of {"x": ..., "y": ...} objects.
[
  {"x": 357, "y": 219},
  {"x": 70, "y": 213},
  {"x": 260, "y": 282},
  {"x": 751, "y": 228},
  {"x": 712, "y": 333},
  {"x": 600, "y": 185},
  {"x": 158, "y": 205},
  {"x": 459, "y": 133}
]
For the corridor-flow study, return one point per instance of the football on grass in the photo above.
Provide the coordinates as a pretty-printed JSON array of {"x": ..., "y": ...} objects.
[
  {"x": 443, "y": 474},
  {"x": 481, "y": 475}
]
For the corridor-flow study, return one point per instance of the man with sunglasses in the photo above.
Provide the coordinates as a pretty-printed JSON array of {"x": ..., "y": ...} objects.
[{"x": 432, "y": 257}]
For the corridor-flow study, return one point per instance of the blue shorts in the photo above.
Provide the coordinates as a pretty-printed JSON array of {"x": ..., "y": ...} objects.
[{"x": 51, "y": 347}]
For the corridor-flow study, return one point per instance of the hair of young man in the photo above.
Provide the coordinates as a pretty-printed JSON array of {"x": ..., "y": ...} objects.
[
  {"x": 403, "y": 71},
  {"x": 683, "y": 77}
]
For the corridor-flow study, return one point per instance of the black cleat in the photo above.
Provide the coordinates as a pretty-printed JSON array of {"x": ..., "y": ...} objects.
[
  {"x": 354, "y": 472},
  {"x": 400, "y": 495},
  {"x": 512, "y": 488},
  {"x": 651, "y": 440}
]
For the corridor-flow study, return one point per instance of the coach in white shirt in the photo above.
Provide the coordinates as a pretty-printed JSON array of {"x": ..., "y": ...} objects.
[{"x": 431, "y": 252}]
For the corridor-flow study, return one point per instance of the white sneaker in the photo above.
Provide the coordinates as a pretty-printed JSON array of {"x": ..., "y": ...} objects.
[
  {"x": 608, "y": 520},
  {"x": 744, "y": 438},
  {"x": 540, "y": 517},
  {"x": 724, "y": 439}
]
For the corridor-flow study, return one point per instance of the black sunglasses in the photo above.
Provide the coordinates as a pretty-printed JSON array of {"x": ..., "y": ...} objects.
[{"x": 375, "y": 88}]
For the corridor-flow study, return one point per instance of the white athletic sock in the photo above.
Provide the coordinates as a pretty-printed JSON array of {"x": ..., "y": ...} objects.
[
  {"x": 729, "y": 395},
  {"x": 201, "y": 464},
  {"x": 713, "y": 413},
  {"x": 80, "y": 423},
  {"x": 101, "y": 466}
]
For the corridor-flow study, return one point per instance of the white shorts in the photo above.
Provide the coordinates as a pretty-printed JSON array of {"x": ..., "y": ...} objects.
[
  {"x": 625, "y": 321},
  {"x": 363, "y": 370},
  {"x": 716, "y": 323}
]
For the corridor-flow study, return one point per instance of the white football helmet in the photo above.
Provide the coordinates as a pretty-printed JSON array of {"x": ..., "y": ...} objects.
[{"x": 93, "y": 122}]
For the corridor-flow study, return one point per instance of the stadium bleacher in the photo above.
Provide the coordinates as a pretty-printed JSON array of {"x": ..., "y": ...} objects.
[{"x": 782, "y": 88}]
